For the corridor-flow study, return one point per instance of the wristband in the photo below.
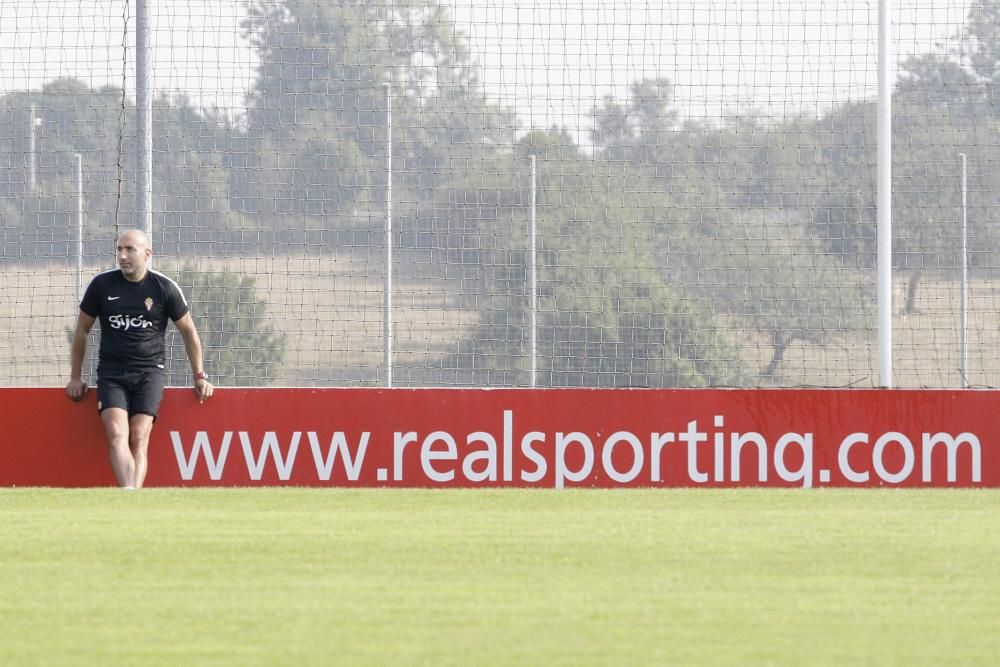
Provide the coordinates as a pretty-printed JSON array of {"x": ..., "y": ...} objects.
[{"x": 200, "y": 375}]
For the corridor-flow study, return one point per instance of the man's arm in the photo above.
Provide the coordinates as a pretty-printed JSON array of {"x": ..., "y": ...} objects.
[
  {"x": 76, "y": 387},
  {"x": 192, "y": 344}
]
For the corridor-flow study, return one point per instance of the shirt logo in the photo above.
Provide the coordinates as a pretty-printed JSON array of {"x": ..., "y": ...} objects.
[
  {"x": 113, "y": 298},
  {"x": 125, "y": 322},
  {"x": 149, "y": 303}
]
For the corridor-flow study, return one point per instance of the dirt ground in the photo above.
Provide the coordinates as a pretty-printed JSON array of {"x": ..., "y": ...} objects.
[{"x": 330, "y": 308}]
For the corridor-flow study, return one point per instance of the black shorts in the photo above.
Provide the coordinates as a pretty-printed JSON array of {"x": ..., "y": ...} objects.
[{"x": 135, "y": 391}]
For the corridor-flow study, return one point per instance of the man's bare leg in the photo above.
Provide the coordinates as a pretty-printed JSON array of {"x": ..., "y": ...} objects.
[
  {"x": 140, "y": 426},
  {"x": 117, "y": 429}
]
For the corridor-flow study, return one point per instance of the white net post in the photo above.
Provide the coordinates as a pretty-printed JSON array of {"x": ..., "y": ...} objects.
[{"x": 387, "y": 331}]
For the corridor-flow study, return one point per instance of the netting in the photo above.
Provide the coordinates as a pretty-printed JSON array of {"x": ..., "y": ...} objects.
[{"x": 702, "y": 202}]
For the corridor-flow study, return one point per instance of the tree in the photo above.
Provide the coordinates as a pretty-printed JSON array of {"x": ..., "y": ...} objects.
[
  {"x": 938, "y": 84},
  {"x": 191, "y": 181},
  {"x": 316, "y": 56},
  {"x": 982, "y": 35},
  {"x": 926, "y": 197},
  {"x": 639, "y": 130},
  {"x": 320, "y": 91},
  {"x": 191, "y": 178},
  {"x": 606, "y": 318},
  {"x": 939, "y": 104},
  {"x": 613, "y": 130},
  {"x": 766, "y": 271},
  {"x": 691, "y": 161},
  {"x": 240, "y": 347},
  {"x": 842, "y": 215},
  {"x": 73, "y": 119}
]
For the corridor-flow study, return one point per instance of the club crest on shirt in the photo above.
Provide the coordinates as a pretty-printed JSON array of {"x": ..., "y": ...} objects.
[{"x": 149, "y": 303}]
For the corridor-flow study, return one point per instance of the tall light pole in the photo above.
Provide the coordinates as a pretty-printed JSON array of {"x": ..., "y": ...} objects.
[
  {"x": 79, "y": 226},
  {"x": 884, "y": 197},
  {"x": 533, "y": 266},
  {"x": 144, "y": 120},
  {"x": 387, "y": 289},
  {"x": 963, "y": 352}
]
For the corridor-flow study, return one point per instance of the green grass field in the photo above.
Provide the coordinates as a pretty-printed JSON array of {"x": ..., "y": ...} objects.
[{"x": 295, "y": 576}]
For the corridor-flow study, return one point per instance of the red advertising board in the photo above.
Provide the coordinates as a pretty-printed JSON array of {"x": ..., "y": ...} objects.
[{"x": 553, "y": 438}]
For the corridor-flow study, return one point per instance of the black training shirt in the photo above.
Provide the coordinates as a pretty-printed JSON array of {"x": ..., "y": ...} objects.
[{"x": 133, "y": 317}]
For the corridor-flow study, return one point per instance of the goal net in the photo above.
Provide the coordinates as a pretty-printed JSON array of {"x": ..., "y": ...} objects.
[{"x": 526, "y": 193}]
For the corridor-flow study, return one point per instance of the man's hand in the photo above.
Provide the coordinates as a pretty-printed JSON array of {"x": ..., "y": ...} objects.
[
  {"x": 75, "y": 389},
  {"x": 203, "y": 388}
]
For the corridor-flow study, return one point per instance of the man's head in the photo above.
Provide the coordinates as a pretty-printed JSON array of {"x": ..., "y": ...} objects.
[{"x": 133, "y": 253}]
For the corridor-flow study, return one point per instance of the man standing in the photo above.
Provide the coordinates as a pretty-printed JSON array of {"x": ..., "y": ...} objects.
[{"x": 133, "y": 303}]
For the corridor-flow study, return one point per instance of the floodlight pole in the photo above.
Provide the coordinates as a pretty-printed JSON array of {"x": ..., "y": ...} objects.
[
  {"x": 884, "y": 214},
  {"x": 144, "y": 119},
  {"x": 79, "y": 226},
  {"x": 963, "y": 353},
  {"x": 533, "y": 259},
  {"x": 387, "y": 288}
]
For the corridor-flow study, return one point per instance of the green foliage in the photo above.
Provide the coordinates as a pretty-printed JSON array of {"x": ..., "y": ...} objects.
[
  {"x": 982, "y": 37},
  {"x": 74, "y": 119},
  {"x": 340, "y": 46},
  {"x": 938, "y": 83},
  {"x": 639, "y": 130},
  {"x": 607, "y": 323},
  {"x": 191, "y": 178},
  {"x": 605, "y": 316},
  {"x": 334, "y": 118},
  {"x": 42, "y": 224},
  {"x": 241, "y": 347},
  {"x": 310, "y": 139},
  {"x": 843, "y": 211},
  {"x": 768, "y": 273}
]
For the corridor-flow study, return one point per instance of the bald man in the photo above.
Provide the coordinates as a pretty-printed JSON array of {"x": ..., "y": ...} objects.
[{"x": 134, "y": 304}]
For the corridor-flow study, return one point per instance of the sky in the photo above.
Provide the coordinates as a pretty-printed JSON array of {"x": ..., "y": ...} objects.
[{"x": 551, "y": 60}]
